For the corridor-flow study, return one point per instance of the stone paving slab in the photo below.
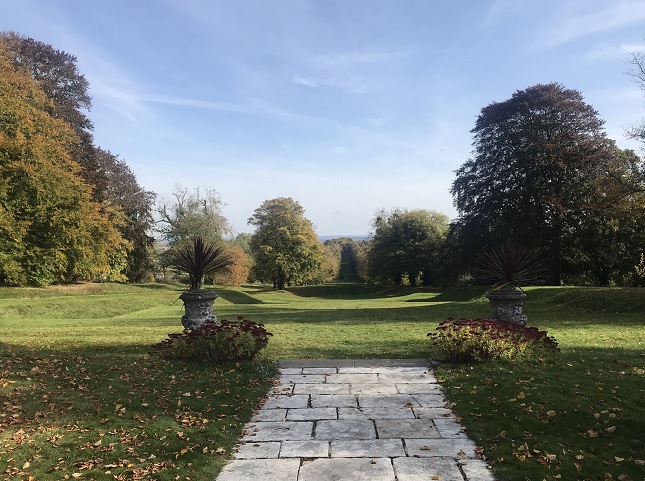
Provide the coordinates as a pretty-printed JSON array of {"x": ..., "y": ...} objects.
[
  {"x": 424, "y": 469},
  {"x": 377, "y": 448},
  {"x": 356, "y": 420},
  {"x": 371, "y": 378},
  {"x": 281, "y": 401},
  {"x": 419, "y": 388},
  {"x": 279, "y": 431},
  {"x": 266, "y": 450},
  {"x": 430, "y": 400},
  {"x": 260, "y": 469},
  {"x": 373, "y": 388},
  {"x": 333, "y": 401},
  {"x": 455, "y": 448},
  {"x": 306, "y": 449},
  {"x": 375, "y": 413},
  {"x": 311, "y": 414},
  {"x": 393, "y": 401},
  {"x": 406, "y": 428},
  {"x": 433, "y": 413},
  {"x": 270, "y": 415},
  {"x": 475, "y": 469},
  {"x": 343, "y": 469},
  {"x": 303, "y": 378},
  {"x": 345, "y": 429},
  {"x": 321, "y": 389}
]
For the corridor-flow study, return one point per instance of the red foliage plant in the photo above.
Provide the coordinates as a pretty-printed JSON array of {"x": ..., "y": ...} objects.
[{"x": 480, "y": 340}]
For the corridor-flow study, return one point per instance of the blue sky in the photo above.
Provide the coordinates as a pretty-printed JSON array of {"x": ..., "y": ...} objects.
[{"x": 347, "y": 106}]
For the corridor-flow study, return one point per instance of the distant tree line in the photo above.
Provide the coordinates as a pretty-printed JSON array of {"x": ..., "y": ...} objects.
[{"x": 543, "y": 174}]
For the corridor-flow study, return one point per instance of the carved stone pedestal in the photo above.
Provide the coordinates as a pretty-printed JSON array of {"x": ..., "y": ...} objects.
[
  {"x": 506, "y": 305},
  {"x": 198, "y": 306}
]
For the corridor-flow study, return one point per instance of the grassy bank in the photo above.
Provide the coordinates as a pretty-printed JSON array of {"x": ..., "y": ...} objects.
[{"x": 81, "y": 393}]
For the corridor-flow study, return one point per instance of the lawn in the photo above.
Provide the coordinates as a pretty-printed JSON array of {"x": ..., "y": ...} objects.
[{"x": 83, "y": 398}]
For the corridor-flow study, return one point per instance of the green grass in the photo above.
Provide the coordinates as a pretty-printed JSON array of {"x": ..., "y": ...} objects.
[
  {"x": 82, "y": 397},
  {"x": 81, "y": 393}
]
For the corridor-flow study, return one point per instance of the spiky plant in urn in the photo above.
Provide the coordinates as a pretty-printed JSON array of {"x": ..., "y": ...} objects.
[
  {"x": 512, "y": 267},
  {"x": 198, "y": 259}
]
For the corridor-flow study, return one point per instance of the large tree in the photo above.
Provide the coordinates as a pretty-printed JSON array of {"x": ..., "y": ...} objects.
[
  {"x": 405, "y": 245},
  {"x": 112, "y": 181},
  {"x": 285, "y": 247},
  {"x": 50, "y": 228},
  {"x": 638, "y": 73},
  {"x": 192, "y": 213},
  {"x": 541, "y": 161}
]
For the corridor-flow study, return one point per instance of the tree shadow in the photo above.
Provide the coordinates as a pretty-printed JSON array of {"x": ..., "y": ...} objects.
[
  {"x": 237, "y": 297},
  {"x": 461, "y": 294}
]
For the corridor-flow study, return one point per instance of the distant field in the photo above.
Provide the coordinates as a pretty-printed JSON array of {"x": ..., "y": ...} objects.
[{"x": 82, "y": 394}]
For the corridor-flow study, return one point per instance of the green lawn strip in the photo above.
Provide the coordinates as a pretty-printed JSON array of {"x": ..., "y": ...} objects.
[
  {"x": 83, "y": 398},
  {"x": 81, "y": 392},
  {"x": 105, "y": 416}
]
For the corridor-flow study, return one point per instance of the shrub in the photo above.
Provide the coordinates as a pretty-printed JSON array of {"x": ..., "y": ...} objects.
[
  {"x": 222, "y": 342},
  {"x": 481, "y": 340}
]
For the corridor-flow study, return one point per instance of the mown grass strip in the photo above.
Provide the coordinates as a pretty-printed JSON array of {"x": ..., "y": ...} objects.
[{"x": 82, "y": 396}]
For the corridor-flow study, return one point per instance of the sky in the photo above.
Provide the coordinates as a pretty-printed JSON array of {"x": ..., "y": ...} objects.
[{"x": 347, "y": 106}]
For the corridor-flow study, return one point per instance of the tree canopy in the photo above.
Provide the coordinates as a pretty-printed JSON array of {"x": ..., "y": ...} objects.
[
  {"x": 111, "y": 180},
  {"x": 192, "y": 213},
  {"x": 285, "y": 247},
  {"x": 542, "y": 172},
  {"x": 406, "y": 245},
  {"x": 50, "y": 229}
]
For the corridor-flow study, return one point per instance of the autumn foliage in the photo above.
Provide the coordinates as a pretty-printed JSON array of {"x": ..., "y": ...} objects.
[
  {"x": 481, "y": 340},
  {"x": 218, "y": 343},
  {"x": 50, "y": 228}
]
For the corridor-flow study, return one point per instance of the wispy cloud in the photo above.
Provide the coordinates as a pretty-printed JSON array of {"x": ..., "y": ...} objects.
[
  {"x": 307, "y": 82},
  {"x": 615, "y": 51},
  {"x": 574, "y": 25},
  {"x": 197, "y": 103},
  {"x": 354, "y": 72}
]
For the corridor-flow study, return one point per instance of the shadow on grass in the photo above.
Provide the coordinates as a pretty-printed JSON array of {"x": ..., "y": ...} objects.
[
  {"x": 592, "y": 299},
  {"x": 341, "y": 290},
  {"x": 237, "y": 297}
]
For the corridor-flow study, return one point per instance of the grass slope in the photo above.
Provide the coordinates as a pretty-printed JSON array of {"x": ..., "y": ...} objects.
[{"x": 82, "y": 397}]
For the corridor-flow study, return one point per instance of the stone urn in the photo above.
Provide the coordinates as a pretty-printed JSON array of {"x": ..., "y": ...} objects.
[
  {"x": 506, "y": 304},
  {"x": 198, "y": 307}
]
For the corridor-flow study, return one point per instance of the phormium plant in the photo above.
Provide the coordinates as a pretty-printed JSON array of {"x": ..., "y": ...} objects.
[
  {"x": 481, "y": 340},
  {"x": 222, "y": 342},
  {"x": 510, "y": 265},
  {"x": 198, "y": 259}
]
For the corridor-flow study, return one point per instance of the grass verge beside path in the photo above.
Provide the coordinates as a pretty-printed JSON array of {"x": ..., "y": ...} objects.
[{"x": 82, "y": 397}]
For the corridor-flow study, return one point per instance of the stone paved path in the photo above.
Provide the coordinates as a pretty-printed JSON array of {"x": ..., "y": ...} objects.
[{"x": 355, "y": 420}]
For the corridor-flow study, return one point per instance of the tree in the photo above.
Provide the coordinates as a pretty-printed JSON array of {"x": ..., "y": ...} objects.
[
  {"x": 540, "y": 161},
  {"x": 285, "y": 247},
  {"x": 405, "y": 246},
  {"x": 50, "y": 229},
  {"x": 190, "y": 214},
  {"x": 112, "y": 181},
  {"x": 122, "y": 190},
  {"x": 237, "y": 272},
  {"x": 638, "y": 74}
]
